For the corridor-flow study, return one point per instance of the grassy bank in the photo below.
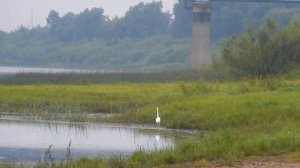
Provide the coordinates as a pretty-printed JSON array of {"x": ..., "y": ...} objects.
[{"x": 245, "y": 118}]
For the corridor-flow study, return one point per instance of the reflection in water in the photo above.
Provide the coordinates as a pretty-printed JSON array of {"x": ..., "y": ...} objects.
[
  {"x": 157, "y": 137},
  {"x": 26, "y": 141}
]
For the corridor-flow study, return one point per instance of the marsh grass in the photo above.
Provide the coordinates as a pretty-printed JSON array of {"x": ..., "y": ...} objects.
[
  {"x": 242, "y": 119},
  {"x": 87, "y": 78}
]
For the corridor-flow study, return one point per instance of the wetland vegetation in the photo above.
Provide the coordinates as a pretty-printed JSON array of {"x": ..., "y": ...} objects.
[{"x": 242, "y": 118}]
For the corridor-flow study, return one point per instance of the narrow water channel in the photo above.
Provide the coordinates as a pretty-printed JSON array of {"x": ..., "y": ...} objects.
[
  {"x": 13, "y": 70},
  {"x": 26, "y": 142}
]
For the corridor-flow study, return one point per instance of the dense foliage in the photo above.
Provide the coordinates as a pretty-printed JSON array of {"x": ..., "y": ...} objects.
[
  {"x": 149, "y": 53},
  {"x": 140, "y": 21},
  {"x": 268, "y": 51}
]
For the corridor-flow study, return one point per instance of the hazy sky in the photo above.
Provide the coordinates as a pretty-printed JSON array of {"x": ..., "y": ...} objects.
[{"x": 14, "y": 13}]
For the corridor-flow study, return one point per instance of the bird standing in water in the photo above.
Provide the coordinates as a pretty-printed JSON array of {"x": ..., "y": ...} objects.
[{"x": 157, "y": 120}]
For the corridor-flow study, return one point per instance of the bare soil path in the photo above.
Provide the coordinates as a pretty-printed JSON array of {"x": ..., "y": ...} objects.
[
  {"x": 263, "y": 164},
  {"x": 273, "y": 163}
]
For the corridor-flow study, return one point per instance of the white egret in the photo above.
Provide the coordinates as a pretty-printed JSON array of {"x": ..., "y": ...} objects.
[{"x": 157, "y": 120}]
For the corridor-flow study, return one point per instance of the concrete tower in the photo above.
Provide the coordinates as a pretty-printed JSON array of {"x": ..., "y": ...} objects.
[{"x": 201, "y": 44}]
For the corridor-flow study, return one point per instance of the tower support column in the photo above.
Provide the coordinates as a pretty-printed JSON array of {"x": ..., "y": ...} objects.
[{"x": 201, "y": 36}]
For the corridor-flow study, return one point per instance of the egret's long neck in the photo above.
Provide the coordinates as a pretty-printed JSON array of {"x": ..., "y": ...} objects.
[{"x": 157, "y": 112}]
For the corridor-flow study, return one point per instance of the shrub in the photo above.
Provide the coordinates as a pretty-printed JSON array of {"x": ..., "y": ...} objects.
[{"x": 270, "y": 51}]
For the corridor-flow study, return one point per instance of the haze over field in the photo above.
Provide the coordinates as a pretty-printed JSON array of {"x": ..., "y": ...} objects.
[{"x": 14, "y": 13}]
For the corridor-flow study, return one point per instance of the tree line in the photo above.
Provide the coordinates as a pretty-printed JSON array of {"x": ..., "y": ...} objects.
[
  {"x": 144, "y": 38},
  {"x": 140, "y": 21},
  {"x": 147, "y": 20}
]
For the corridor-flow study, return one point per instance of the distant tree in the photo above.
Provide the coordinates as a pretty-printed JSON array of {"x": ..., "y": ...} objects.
[
  {"x": 39, "y": 33},
  {"x": 230, "y": 19},
  {"x": 87, "y": 23},
  {"x": 110, "y": 29},
  {"x": 3, "y": 35},
  {"x": 183, "y": 20},
  {"x": 21, "y": 33},
  {"x": 72, "y": 27},
  {"x": 66, "y": 29},
  {"x": 144, "y": 20},
  {"x": 53, "y": 21}
]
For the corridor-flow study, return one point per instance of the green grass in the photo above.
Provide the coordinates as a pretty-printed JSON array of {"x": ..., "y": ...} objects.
[
  {"x": 242, "y": 119},
  {"x": 81, "y": 98}
]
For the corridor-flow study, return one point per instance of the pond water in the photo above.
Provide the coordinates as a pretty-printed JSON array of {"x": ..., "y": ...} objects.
[
  {"x": 12, "y": 70},
  {"x": 26, "y": 142}
]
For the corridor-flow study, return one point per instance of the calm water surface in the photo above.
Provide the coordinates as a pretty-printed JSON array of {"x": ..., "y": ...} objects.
[
  {"x": 10, "y": 70},
  {"x": 23, "y": 141}
]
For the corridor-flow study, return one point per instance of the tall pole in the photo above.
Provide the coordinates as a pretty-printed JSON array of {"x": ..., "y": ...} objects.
[{"x": 201, "y": 36}]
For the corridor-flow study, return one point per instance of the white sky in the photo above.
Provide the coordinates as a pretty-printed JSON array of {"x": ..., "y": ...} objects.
[{"x": 14, "y": 13}]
